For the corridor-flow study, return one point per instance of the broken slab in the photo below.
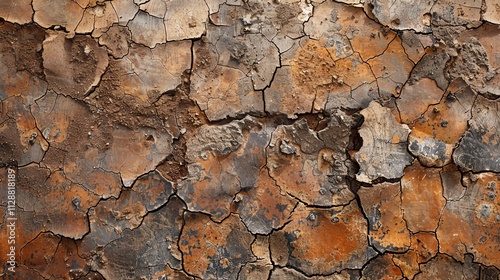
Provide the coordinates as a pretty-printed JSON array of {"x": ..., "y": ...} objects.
[
  {"x": 323, "y": 241},
  {"x": 59, "y": 203},
  {"x": 454, "y": 13},
  {"x": 65, "y": 13},
  {"x": 110, "y": 218},
  {"x": 185, "y": 20},
  {"x": 451, "y": 179},
  {"x": 310, "y": 77},
  {"x": 151, "y": 248},
  {"x": 479, "y": 149},
  {"x": 97, "y": 19},
  {"x": 73, "y": 66},
  {"x": 386, "y": 226},
  {"x": 468, "y": 224},
  {"x": 283, "y": 273},
  {"x": 424, "y": 246},
  {"x": 211, "y": 250},
  {"x": 306, "y": 168},
  {"x": 16, "y": 11},
  {"x": 437, "y": 132},
  {"x": 381, "y": 267},
  {"x": 392, "y": 68},
  {"x": 426, "y": 91},
  {"x": 412, "y": 14},
  {"x": 117, "y": 39},
  {"x": 147, "y": 29},
  {"x": 384, "y": 153},
  {"x": 223, "y": 160},
  {"x": 221, "y": 91},
  {"x": 492, "y": 13},
  {"x": 445, "y": 267},
  {"x": 20, "y": 139},
  {"x": 422, "y": 198},
  {"x": 53, "y": 256},
  {"x": 125, "y": 10},
  {"x": 263, "y": 207}
]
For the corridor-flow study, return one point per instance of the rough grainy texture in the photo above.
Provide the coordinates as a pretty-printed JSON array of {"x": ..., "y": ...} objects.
[{"x": 252, "y": 140}]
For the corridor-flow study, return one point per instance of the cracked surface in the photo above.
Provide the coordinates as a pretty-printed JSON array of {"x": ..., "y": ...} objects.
[{"x": 259, "y": 139}]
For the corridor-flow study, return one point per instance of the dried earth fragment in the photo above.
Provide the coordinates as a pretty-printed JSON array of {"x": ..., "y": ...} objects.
[
  {"x": 185, "y": 19},
  {"x": 382, "y": 267},
  {"x": 323, "y": 241},
  {"x": 408, "y": 14},
  {"x": 445, "y": 267},
  {"x": 214, "y": 251},
  {"x": 468, "y": 225},
  {"x": 151, "y": 248},
  {"x": 492, "y": 13},
  {"x": 424, "y": 246},
  {"x": 73, "y": 66},
  {"x": 63, "y": 13},
  {"x": 384, "y": 153},
  {"x": 147, "y": 29},
  {"x": 16, "y": 11},
  {"x": 306, "y": 167},
  {"x": 223, "y": 160},
  {"x": 422, "y": 199},
  {"x": 437, "y": 132},
  {"x": 479, "y": 149},
  {"x": 387, "y": 228}
]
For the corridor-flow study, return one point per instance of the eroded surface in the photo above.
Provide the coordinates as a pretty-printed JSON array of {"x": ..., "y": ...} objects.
[{"x": 228, "y": 139}]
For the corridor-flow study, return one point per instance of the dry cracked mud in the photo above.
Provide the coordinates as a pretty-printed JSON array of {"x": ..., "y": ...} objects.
[{"x": 257, "y": 139}]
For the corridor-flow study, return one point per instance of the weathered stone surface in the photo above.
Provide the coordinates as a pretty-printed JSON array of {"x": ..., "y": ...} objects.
[
  {"x": 426, "y": 91},
  {"x": 479, "y": 149},
  {"x": 18, "y": 11},
  {"x": 116, "y": 39},
  {"x": 392, "y": 68},
  {"x": 150, "y": 248},
  {"x": 60, "y": 204},
  {"x": 437, "y": 132},
  {"x": 262, "y": 207},
  {"x": 310, "y": 77},
  {"x": 221, "y": 91},
  {"x": 129, "y": 153},
  {"x": 147, "y": 29},
  {"x": 462, "y": 12},
  {"x": 445, "y": 267},
  {"x": 223, "y": 160},
  {"x": 424, "y": 246},
  {"x": 381, "y": 267},
  {"x": 231, "y": 139},
  {"x": 415, "y": 44},
  {"x": 468, "y": 224},
  {"x": 214, "y": 251},
  {"x": 365, "y": 36},
  {"x": 63, "y": 13},
  {"x": 387, "y": 228},
  {"x": 73, "y": 66},
  {"x": 383, "y": 154},
  {"x": 422, "y": 198},
  {"x": 288, "y": 273},
  {"x": 451, "y": 179},
  {"x": 185, "y": 20},
  {"x": 97, "y": 19},
  {"x": 306, "y": 168},
  {"x": 112, "y": 217},
  {"x": 125, "y": 10},
  {"x": 432, "y": 66},
  {"x": 492, "y": 13},
  {"x": 54, "y": 257},
  {"x": 410, "y": 14},
  {"x": 323, "y": 241}
]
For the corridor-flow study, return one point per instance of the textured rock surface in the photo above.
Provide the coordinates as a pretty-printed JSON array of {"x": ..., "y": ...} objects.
[{"x": 257, "y": 139}]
